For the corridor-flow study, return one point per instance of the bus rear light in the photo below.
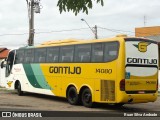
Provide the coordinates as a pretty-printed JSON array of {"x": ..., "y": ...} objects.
[{"x": 122, "y": 85}]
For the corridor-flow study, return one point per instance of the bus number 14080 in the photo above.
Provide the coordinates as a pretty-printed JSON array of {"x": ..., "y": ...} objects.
[{"x": 106, "y": 71}]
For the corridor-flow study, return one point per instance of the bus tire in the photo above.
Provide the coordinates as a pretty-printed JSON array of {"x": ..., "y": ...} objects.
[
  {"x": 19, "y": 91},
  {"x": 87, "y": 98},
  {"x": 72, "y": 96}
]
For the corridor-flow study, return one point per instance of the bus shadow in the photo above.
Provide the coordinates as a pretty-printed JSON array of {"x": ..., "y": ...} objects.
[
  {"x": 102, "y": 106},
  {"x": 124, "y": 108},
  {"x": 47, "y": 97}
]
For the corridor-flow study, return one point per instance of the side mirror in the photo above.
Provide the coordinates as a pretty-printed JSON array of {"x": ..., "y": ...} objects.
[{"x": 3, "y": 64}]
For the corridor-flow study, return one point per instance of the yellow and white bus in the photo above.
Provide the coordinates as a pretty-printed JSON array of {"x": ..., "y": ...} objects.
[{"x": 116, "y": 70}]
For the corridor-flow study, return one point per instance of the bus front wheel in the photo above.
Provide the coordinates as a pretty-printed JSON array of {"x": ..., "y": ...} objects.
[
  {"x": 19, "y": 91},
  {"x": 87, "y": 98},
  {"x": 72, "y": 96}
]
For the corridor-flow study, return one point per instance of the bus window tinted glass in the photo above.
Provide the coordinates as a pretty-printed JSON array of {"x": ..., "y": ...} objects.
[
  {"x": 66, "y": 54},
  {"x": 83, "y": 53},
  {"x": 19, "y": 56},
  {"x": 97, "y": 52},
  {"x": 40, "y": 55},
  {"x": 29, "y": 55},
  {"x": 52, "y": 54},
  {"x": 111, "y": 51}
]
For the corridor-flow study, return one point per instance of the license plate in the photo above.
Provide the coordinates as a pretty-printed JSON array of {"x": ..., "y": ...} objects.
[{"x": 141, "y": 92}]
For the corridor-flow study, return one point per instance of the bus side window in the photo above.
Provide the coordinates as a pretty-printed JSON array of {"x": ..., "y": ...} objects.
[
  {"x": 83, "y": 53},
  {"x": 19, "y": 56},
  {"x": 40, "y": 55},
  {"x": 111, "y": 51},
  {"x": 97, "y": 52},
  {"x": 29, "y": 56},
  {"x": 66, "y": 54},
  {"x": 52, "y": 54}
]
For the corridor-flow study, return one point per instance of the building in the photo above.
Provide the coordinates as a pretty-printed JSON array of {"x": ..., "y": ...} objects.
[
  {"x": 3, "y": 53},
  {"x": 149, "y": 32}
]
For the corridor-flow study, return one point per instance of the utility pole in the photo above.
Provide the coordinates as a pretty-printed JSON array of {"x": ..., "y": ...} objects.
[
  {"x": 33, "y": 6},
  {"x": 94, "y": 29},
  {"x": 31, "y": 25},
  {"x": 145, "y": 21}
]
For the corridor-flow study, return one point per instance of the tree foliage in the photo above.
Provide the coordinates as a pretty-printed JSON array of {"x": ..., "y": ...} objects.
[{"x": 76, "y": 5}]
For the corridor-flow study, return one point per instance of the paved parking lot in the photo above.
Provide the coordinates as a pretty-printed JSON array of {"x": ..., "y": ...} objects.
[{"x": 10, "y": 100}]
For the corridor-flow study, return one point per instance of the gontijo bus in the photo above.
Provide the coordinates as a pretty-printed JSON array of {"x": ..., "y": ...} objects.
[{"x": 116, "y": 70}]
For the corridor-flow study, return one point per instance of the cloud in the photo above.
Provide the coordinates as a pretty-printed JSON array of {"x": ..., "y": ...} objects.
[{"x": 115, "y": 14}]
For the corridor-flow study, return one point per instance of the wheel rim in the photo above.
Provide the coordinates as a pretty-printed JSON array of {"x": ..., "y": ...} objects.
[
  {"x": 19, "y": 88},
  {"x": 87, "y": 97},
  {"x": 72, "y": 96}
]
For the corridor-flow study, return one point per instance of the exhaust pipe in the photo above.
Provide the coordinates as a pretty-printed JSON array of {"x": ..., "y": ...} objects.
[{"x": 130, "y": 100}]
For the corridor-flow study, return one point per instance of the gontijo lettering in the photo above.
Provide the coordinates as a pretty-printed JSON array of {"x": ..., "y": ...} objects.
[
  {"x": 64, "y": 70},
  {"x": 142, "y": 61}
]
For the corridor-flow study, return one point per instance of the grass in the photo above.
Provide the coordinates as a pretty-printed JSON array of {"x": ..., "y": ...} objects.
[
  {"x": 1, "y": 87},
  {"x": 7, "y": 91},
  {"x": 4, "y": 89}
]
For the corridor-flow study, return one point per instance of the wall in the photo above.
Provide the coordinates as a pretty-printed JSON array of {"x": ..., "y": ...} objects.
[{"x": 147, "y": 31}]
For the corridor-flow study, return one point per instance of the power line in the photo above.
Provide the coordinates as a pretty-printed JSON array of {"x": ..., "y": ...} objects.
[
  {"x": 61, "y": 30},
  {"x": 120, "y": 31},
  {"x": 115, "y": 30},
  {"x": 76, "y": 29},
  {"x": 16, "y": 34}
]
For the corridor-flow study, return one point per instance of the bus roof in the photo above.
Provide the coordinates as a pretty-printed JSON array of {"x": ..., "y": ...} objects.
[
  {"x": 76, "y": 41},
  {"x": 119, "y": 38},
  {"x": 60, "y": 42}
]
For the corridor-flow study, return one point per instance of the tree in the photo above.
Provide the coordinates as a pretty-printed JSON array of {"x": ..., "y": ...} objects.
[{"x": 76, "y": 5}]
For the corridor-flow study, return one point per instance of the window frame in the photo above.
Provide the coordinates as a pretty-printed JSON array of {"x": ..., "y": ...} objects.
[
  {"x": 75, "y": 57},
  {"x": 17, "y": 62},
  {"x": 118, "y": 46},
  {"x": 36, "y": 50},
  {"x": 33, "y": 53},
  {"x": 60, "y": 54},
  {"x": 102, "y": 43},
  {"x": 47, "y": 57}
]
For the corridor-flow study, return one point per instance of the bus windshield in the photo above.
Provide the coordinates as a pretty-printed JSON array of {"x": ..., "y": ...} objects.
[{"x": 141, "y": 64}]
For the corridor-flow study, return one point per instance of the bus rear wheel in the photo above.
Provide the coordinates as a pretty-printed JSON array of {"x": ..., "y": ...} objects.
[
  {"x": 19, "y": 91},
  {"x": 72, "y": 96},
  {"x": 87, "y": 98}
]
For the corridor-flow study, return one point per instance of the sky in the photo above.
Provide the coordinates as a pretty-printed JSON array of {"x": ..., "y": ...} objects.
[{"x": 115, "y": 17}]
